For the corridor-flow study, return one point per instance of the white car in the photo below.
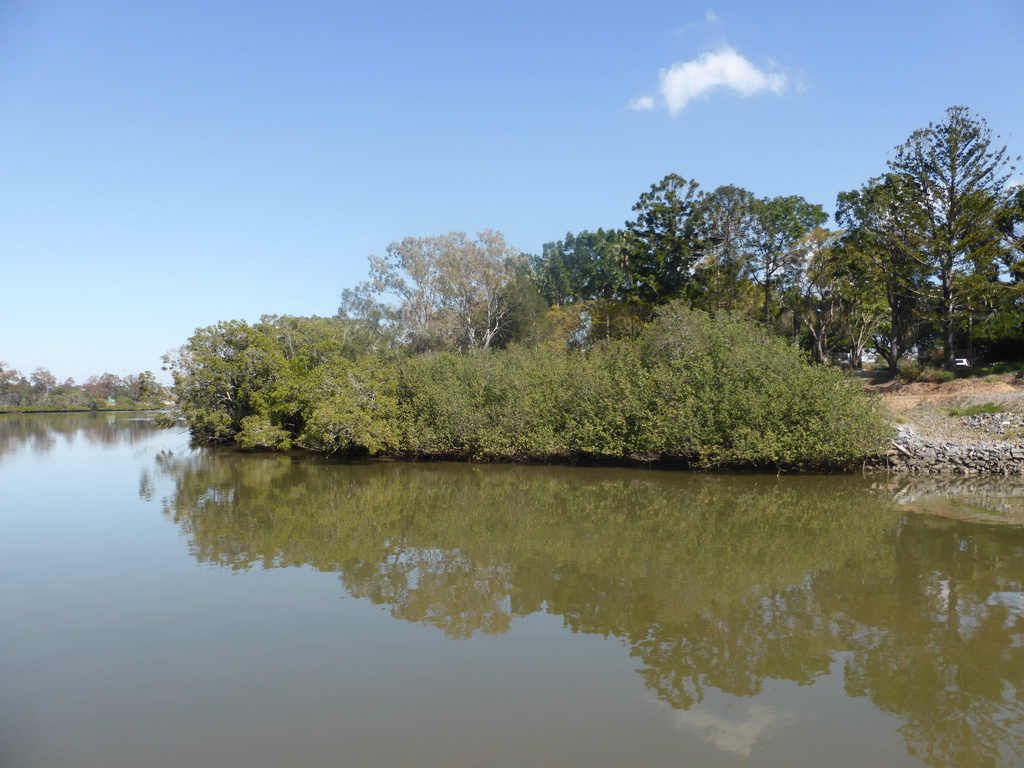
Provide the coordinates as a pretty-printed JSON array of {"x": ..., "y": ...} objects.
[{"x": 961, "y": 362}]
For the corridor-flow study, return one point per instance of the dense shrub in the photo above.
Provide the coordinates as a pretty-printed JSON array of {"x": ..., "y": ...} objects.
[
  {"x": 754, "y": 397},
  {"x": 507, "y": 404},
  {"x": 354, "y": 407},
  {"x": 710, "y": 391}
]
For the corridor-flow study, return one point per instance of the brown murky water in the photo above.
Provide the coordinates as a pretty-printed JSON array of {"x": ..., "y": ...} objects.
[{"x": 172, "y": 606}]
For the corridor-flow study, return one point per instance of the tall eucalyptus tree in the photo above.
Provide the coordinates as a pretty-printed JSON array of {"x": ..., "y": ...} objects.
[{"x": 724, "y": 230}]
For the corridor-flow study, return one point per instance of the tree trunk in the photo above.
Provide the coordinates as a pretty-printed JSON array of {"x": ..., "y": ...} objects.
[{"x": 949, "y": 323}]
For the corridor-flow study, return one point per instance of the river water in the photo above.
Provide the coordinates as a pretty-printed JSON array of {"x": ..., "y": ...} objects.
[{"x": 168, "y": 605}]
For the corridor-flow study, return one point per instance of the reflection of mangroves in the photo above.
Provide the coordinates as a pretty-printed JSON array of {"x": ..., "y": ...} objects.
[
  {"x": 711, "y": 581},
  {"x": 673, "y": 537},
  {"x": 632, "y": 554}
]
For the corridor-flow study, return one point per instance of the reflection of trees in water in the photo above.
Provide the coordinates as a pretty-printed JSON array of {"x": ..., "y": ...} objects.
[
  {"x": 721, "y": 582},
  {"x": 734, "y": 648},
  {"x": 41, "y": 432},
  {"x": 939, "y": 641}
]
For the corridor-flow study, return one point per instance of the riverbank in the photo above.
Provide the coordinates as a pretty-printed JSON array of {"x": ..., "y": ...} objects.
[
  {"x": 95, "y": 408},
  {"x": 962, "y": 427}
]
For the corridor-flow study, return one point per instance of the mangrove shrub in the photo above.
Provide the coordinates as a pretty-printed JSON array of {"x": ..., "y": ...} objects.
[{"x": 710, "y": 391}]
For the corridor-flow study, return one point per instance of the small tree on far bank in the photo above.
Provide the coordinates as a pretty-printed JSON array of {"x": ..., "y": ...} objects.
[{"x": 779, "y": 226}]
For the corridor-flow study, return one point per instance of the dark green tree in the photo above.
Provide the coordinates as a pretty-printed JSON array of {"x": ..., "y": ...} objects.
[
  {"x": 1010, "y": 221},
  {"x": 724, "y": 229},
  {"x": 884, "y": 245},
  {"x": 779, "y": 224},
  {"x": 661, "y": 249},
  {"x": 580, "y": 267},
  {"x": 954, "y": 177}
]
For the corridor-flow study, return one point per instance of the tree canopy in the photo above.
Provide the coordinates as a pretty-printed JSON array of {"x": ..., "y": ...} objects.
[
  {"x": 452, "y": 292},
  {"x": 953, "y": 179}
]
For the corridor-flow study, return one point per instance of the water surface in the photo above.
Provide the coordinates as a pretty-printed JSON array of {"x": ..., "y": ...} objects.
[{"x": 165, "y": 605}]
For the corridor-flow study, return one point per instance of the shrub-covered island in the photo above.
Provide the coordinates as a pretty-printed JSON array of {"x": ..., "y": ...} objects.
[{"x": 690, "y": 389}]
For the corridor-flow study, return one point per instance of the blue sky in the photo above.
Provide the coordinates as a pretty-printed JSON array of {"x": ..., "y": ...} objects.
[{"x": 168, "y": 165}]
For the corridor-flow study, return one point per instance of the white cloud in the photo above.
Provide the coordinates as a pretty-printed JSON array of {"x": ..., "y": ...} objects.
[
  {"x": 736, "y": 736},
  {"x": 711, "y": 17},
  {"x": 642, "y": 103},
  {"x": 722, "y": 69}
]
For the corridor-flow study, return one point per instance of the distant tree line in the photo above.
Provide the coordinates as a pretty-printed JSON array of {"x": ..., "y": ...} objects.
[
  {"x": 929, "y": 257},
  {"x": 40, "y": 391}
]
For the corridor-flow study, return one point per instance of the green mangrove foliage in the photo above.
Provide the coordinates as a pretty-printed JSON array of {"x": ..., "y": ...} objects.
[{"x": 690, "y": 388}]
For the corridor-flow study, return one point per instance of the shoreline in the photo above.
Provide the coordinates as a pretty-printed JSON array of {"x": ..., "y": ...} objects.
[
  {"x": 911, "y": 453},
  {"x": 963, "y": 428}
]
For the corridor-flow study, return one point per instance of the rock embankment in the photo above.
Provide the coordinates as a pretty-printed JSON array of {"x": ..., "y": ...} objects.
[{"x": 995, "y": 446}]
